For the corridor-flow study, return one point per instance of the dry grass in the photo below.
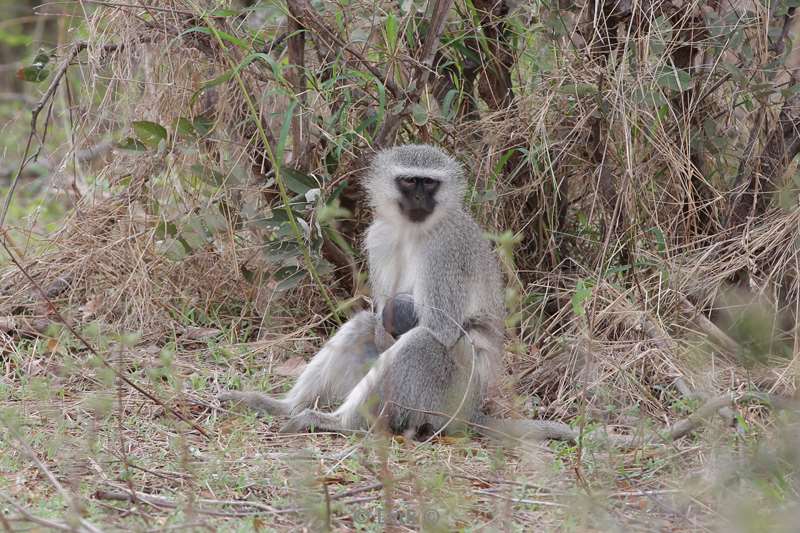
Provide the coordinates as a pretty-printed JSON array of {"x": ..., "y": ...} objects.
[{"x": 630, "y": 300}]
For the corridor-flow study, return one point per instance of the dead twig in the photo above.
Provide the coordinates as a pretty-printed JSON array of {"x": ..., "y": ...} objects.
[
  {"x": 128, "y": 495},
  {"x": 170, "y": 10},
  {"x": 358, "y": 490},
  {"x": 709, "y": 328},
  {"x": 698, "y": 418},
  {"x": 526, "y": 501},
  {"x": 780, "y": 44}
]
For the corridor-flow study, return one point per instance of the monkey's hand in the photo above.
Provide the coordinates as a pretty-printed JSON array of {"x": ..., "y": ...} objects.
[{"x": 310, "y": 421}]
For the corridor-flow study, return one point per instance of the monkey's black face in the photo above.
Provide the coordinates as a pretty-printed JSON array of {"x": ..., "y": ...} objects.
[{"x": 417, "y": 196}]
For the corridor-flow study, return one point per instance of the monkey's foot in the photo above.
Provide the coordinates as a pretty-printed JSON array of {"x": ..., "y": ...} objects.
[
  {"x": 228, "y": 396},
  {"x": 231, "y": 397},
  {"x": 256, "y": 401},
  {"x": 310, "y": 420}
]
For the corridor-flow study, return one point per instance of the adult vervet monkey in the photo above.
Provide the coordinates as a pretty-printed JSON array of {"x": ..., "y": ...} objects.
[{"x": 428, "y": 358}]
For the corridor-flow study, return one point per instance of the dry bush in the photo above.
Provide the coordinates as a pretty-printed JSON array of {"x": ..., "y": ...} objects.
[{"x": 613, "y": 142}]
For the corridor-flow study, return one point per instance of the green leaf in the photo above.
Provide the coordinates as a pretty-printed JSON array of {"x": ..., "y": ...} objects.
[
  {"x": 215, "y": 220},
  {"x": 150, "y": 133},
  {"x": 194, "y": 234},
  {"x": 166, "y": 229},
  {"x": 487, "y": 196},
  {"x": 199, "y": 127},
  {"x": 419, "y": 114},
  {"x": 390, "y": 29},
  {"x": 134, "y": 145},
  {"x": 222, "y": 35},
  {"x": 208, "y": 175},
  {"x": 660, "y": 240},
  {"x": 277, "y": 252},
  {"x": 332, "y": 212},
  {"x": 297, "y": 182},
  {"x": 288, "y": 277},
  {"x": 219, "y": 80},
  {"x": 578, "y": 89},
  {"x": 173, "y": 249},
  {"x": 33, "y": 74},
  {"x": 761, "y": 90},
  {"x": 582, "y": 293},
  {"x": 224, "y": 13},
  {"x": 447, "y": 104},
  {"x": 130, "y": 339},
  {"x": 649, "y": 96},
  {"x": 226, "y": 76},
  {"x": 380, "y": 110},
  {"x": 676, "y": 79},
  {"x": 733, "y": 69},
  {"x": 284, "y": 134},
  {"x": 203, "y": 125},
  {"x": 184, "y": 128}
]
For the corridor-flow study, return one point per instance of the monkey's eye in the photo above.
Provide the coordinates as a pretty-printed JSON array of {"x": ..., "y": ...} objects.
[
  {"x": 406, "y": 183},
  {"x": 430, "y": 184}
]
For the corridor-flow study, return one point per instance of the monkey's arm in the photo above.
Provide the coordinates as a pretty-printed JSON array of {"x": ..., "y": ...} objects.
[{"x": 440, "y": 300}]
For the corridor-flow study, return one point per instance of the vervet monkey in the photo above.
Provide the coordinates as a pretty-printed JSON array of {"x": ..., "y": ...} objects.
[{"x": 428, "y": 358}]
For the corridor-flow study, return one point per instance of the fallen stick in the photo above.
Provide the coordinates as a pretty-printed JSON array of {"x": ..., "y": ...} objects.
[{"x": 127, "y": 495}]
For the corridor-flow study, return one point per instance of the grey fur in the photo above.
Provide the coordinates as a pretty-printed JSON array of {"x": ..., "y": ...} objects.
[{"x": 439, "y": 374}]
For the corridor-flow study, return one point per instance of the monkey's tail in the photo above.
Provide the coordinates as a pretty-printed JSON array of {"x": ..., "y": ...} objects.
[
  {"x": 537, "y": 430},
  {"x": 522, "y": 429}
]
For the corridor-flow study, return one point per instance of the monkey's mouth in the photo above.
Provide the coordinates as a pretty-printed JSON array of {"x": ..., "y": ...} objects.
[
  {"x": 417, "y": 215},
  {"x": 414, "y": 214}
]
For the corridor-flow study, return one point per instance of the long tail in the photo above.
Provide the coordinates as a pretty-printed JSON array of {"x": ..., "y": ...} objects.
[
  {"x": 539, "y": 430},
  {"x": 526, "y": 430},
  {"x": 532, "y": 430}
]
